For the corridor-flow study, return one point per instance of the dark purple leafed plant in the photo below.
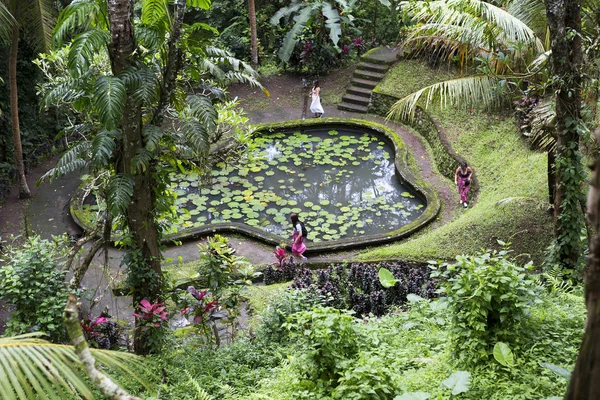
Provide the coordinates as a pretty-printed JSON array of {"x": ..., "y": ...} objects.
[{"x": 358, "y": 288}]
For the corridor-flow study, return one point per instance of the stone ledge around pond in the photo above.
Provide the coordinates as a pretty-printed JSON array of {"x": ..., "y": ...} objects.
[{"x": 409, "y": 178}]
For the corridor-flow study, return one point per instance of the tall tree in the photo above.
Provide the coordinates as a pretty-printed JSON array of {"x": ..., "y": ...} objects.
[
  {"x": 564, "y": 23},
  {"x": 124, "y": 107},
  {"x": 36, "y": 17},
  {"x": 253, "y": 37}
]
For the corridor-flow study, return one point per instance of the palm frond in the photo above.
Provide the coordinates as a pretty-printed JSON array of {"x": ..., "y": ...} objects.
[
  {"x": 39, "y": 16},
  {"x": 109, "y": 100},
  {"x": 83, "y": 49},
  {"x": 120, "y": 190},
  {"x": 542, "y": 124},
  {"x": 34, "y": 368},
  {"x": 531, "y": 12},
  {"x": 481, "y": 90},
  {"x": 492, "y": 22},
  {"x": 79, "y": 14},
  {"x": 7, "y": 21}
]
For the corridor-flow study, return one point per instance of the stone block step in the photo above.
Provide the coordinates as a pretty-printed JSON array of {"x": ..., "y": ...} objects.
[
  {"x": 374, "y": 76},
  {"x": 367, "y": 66},
  {"x": 360, "y": 100},
  {"x": 363, "y": 83},
  {"x": 352, "y": 107},
  {"x": 359, "y": 91},
  {"x": 381, "y": 55}
]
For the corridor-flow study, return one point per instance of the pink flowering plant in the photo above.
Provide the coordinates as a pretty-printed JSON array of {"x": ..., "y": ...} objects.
[
  {"x": 100, "y": 332},
  {"x": 151, "y": 315},
  {"x": 280, "y": 255}
]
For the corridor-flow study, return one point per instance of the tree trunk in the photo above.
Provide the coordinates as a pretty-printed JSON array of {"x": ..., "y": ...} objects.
[
  {"x": 140, "y": 213},
  {"x": 585, "y": 380},
  {"x": 564, "y": 23},
  {"x": 24, "y": 192},
  {"x": 253, "y": 38},
  {"x": 551, "y": 181}
]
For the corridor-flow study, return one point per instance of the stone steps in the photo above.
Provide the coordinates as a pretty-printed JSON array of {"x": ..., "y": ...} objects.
[
  {"x": 369, "y": 72},
  {"x": 354, "y": 99},
  {"x": 352, "y": 107}
]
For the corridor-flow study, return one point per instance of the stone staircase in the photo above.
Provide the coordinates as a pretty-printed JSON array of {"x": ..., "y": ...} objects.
[{"x": 369, "y": 72}]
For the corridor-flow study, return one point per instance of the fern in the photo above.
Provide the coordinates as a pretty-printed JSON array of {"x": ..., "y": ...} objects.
[
  {"x": 120, "y": 190},
  {"x": 201, "y": 394},
  {"x": 83, "y": 49},
  {"x": 109, "y": 99}
]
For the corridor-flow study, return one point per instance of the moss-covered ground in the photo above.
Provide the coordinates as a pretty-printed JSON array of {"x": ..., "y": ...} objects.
[{"x": 512, "y": 202}]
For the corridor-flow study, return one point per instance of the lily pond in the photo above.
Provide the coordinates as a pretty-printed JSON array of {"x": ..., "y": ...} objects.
[{"x": 341, "y": 182}]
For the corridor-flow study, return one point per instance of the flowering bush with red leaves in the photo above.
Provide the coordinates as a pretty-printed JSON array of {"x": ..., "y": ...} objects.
[
  {"x": 153, "y": 314},
  {"x": 203, "y": 309},
  {"x": 280, "y": 255}
]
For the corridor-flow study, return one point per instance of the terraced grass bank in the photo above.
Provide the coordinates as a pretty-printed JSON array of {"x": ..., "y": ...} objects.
[{"x": 512, "y": 200}]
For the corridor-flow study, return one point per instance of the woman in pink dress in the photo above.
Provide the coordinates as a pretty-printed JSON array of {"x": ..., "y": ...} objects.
[
  {"x": 298, "y": 246},
  {"x": 462, "y": 178}
]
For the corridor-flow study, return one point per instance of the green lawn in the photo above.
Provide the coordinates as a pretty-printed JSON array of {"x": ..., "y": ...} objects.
[{"x": 513, "y": 197}]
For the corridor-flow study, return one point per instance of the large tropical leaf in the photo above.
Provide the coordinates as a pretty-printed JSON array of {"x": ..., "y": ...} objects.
[
  {"x": 197, "y": 136},
  {"x": 102, "y": 149},
  {"x": 120, "y": 190},
  {"x": 32, "y": 368},
  {"x": 332, "y": 22},
  {"x": 291, "y": 38},
  {"x": 80, "y": 14},
  {"x": 481, "y": 90},
  {"x": 142, "y": 83},
  {"x": 155, "y": 13},
  {"x": 84, "y": 47},
  {"x": 203, "y": 4},
  {"x": 201, "y": 108},
  {"x": 109, "y": 100},
  {"x": 75, "y": 159}
]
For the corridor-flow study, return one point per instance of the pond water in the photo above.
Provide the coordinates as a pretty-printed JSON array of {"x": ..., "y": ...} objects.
[{"x": 342, "y": 182}]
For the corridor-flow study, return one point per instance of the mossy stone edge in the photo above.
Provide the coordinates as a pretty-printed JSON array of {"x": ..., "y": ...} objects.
[{"x": 409, "y": 177}]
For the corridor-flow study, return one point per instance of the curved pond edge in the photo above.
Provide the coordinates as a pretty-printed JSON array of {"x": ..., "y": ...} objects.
[{"x": 405, "y": 171}]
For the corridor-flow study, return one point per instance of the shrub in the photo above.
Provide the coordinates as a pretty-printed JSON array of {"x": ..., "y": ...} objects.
[
  {"x": 330, "y": 339},
  {"x": 270, "y": 329},
  {"x": 488, "y": 297},
  {"x": 32, "y": 282}
]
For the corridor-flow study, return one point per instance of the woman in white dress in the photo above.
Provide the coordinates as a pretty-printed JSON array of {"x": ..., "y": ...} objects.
[{"x": 315, "y": 105}]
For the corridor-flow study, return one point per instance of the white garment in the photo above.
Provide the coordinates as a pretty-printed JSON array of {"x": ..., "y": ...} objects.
[{"x": 315, "y": 105}]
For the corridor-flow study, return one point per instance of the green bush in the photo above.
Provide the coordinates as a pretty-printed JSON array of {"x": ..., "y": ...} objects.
[
  {"x": 34, "y": 285},
  {"x": 488, "y": 297},
  {"x": 270, "y": 327}
]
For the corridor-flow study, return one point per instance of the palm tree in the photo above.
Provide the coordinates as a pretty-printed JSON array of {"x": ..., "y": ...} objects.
[
  {"x": 253, "y": 38},
  {"x": 37, "y": 16},
  {"x": 32, "y": 368}
]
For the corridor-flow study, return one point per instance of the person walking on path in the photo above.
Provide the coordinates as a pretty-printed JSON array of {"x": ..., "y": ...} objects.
[
  {"x": 315, "y": 105},
  {"x": 298, "y": 246},
  {"x": 462, "y": 178}
]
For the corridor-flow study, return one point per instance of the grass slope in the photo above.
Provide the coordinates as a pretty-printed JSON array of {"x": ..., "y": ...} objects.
[{"x": 512, "y": 200}]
